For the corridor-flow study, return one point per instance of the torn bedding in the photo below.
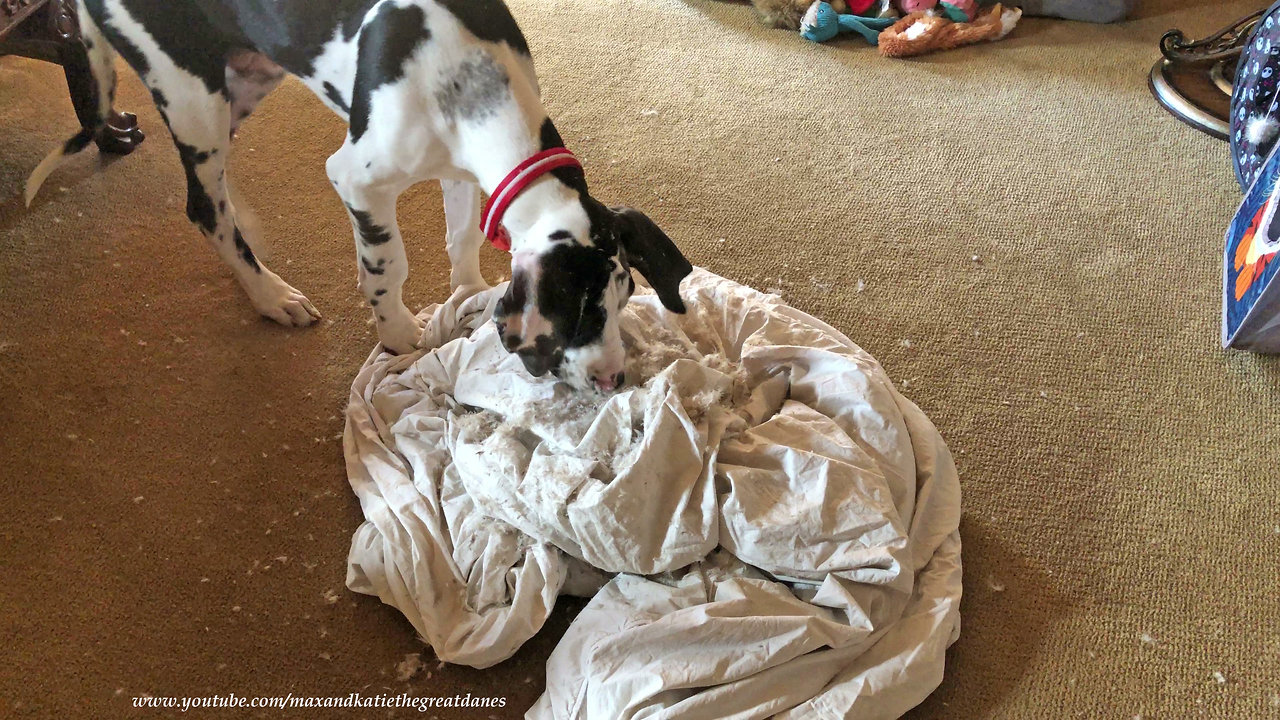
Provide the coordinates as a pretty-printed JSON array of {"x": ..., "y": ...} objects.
[{"x": 765, "y": 527}]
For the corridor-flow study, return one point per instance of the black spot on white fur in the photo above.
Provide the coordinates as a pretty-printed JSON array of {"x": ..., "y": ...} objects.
[
  {"x": 200, "y": 209},
  {"x": 371, "y": 233},
  {"x": 246, "y": 253},
  {"x": 387, "y": 42},
  {"x": 335, "y": 97}
]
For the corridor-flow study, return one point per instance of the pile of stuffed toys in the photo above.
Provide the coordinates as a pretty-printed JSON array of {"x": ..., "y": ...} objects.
[{"x": 903, "y": 28}]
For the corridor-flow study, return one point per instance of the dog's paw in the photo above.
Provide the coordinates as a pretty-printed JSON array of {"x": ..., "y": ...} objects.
[
  {"x": 466, "y": 290},
  {"x": 471, "y": 282},
  {"x": 400, "y": 331},
  {"x": 277, "y": 300}
]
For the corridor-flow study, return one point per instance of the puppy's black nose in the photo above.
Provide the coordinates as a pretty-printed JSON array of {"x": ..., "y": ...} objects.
[{"x": 537, "y": 365}]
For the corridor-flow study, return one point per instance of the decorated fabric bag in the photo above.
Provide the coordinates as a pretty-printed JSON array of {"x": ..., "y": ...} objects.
[
  {"x": 1251, "y": 295},
  {"x": 1254, "y": 121}
]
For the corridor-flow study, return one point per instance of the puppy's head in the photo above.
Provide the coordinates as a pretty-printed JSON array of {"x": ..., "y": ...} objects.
[{"x": 560, "y": 312}]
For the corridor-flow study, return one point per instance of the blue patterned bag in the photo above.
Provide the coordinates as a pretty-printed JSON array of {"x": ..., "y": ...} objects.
[
  {"x": 1255, "y": 122},
  {"x": 1250, "y": 287}
]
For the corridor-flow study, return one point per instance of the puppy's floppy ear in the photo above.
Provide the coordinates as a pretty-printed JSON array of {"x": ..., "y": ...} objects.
[{"x": 650, "y": 251}]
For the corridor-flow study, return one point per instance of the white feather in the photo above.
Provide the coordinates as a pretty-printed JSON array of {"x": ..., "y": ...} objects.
[
  {"x": 1009, "y": 20},
  {"x": 810, "y": 17},
  {"x": 1262, "y": 129}
]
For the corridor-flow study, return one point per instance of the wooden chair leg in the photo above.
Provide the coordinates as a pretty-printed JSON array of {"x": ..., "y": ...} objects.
[{"x": 120, "y": 135}]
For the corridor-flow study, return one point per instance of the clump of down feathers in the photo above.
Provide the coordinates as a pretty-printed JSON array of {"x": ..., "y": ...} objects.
[{"x": 787, "y": 13}]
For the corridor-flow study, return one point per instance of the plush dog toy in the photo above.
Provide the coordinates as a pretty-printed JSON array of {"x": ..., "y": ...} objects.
[
  {"x": 925, "y": 32},
  {"x": 788, "y": 13},
  {"x": 821, "y": 22}
]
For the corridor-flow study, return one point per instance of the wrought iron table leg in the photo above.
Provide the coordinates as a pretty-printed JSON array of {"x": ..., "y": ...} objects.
[
  {"x": 120, "y": 135},
  {"x": 51, "y": 33},
  {"x": 1193, "y": 79},
  {"x": 1168, "y": 95}
]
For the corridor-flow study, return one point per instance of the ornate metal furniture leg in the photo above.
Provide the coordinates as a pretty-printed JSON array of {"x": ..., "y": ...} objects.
[
  {"x": 49, "y": 30},
  {"x": 1193, "y": 79},
  {"x": 121, "y": 134}
]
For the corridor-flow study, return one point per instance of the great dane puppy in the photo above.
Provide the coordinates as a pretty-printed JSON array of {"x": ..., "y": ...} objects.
[{"x": 431, "y": 89}]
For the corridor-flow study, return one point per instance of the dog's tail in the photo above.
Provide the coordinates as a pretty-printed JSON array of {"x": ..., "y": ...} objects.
[{"x": 102, "y": 65}]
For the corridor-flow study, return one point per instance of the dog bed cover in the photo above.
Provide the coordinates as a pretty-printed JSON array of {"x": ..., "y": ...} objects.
[{"x": 764, "y": 525}]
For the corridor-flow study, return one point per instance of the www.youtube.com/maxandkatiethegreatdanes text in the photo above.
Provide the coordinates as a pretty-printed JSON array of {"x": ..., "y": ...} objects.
[{"x": 291, "y": 701}]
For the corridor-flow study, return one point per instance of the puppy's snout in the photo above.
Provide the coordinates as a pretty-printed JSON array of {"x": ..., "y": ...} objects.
[
  {"x": 609, "y": 383},
  {"x": 537, "y": 365},
  {"x": 540, "y": 360}
]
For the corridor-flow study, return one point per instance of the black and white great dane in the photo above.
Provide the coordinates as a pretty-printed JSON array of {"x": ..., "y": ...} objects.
[{"x": 430, "y": 89}]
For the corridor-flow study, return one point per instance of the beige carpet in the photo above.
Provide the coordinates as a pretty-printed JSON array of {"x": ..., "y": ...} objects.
[{"x": 1029, "y": 245}]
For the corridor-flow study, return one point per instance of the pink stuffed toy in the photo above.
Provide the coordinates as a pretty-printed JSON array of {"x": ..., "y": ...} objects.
[{"x": 968, "y": 7}]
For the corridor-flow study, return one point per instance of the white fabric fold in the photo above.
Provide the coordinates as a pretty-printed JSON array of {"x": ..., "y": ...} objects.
[{"x": 766, "y": 527}]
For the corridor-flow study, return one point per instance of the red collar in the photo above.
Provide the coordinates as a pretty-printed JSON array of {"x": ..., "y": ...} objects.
[{"x": 513, "y": 184}]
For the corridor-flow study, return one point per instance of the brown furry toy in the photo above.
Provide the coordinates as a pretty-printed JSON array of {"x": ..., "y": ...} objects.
[
  {"x": 787, "y": 13},
  {"x": 925, "y": 32}
]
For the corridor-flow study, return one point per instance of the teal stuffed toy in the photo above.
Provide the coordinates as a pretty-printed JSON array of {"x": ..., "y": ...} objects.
[{"x": 821, "y": 23}]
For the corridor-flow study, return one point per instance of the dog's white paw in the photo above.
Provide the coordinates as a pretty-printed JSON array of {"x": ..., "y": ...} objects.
[
  {"x": 277, "y": 300},
  {"x": 472, "y": 282},
  {"x": 400, "y": 331}
]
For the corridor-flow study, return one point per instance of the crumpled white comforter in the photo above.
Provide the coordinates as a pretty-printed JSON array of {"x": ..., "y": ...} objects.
[{"x": 765, "y": 526}]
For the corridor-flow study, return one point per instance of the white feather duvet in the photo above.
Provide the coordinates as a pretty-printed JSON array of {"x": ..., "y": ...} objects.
[{"x": 765, "y": 526}]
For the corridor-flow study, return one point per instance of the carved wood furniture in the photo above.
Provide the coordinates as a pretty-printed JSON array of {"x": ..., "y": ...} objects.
[
  {"x": 1193, "y": 80},
  {"x": 48, "y": 30}
]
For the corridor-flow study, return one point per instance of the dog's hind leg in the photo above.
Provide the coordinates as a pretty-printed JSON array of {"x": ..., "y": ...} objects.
[
  {"x": 462, "y": 230},
  {"x": 201, "y": 125},
  {"x": 193, "y": 99}
]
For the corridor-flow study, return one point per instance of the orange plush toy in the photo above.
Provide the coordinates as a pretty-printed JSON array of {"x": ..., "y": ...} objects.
[{"x": 925, "y": 32}]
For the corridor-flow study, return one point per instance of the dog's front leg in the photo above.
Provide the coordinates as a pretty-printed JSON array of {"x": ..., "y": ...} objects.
[
  {"x": 463, "y": 235},
  {"x": 381, "y": 263}
]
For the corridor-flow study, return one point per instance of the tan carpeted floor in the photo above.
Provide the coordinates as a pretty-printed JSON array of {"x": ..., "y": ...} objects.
[{"x": 1029, "y": 245}]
